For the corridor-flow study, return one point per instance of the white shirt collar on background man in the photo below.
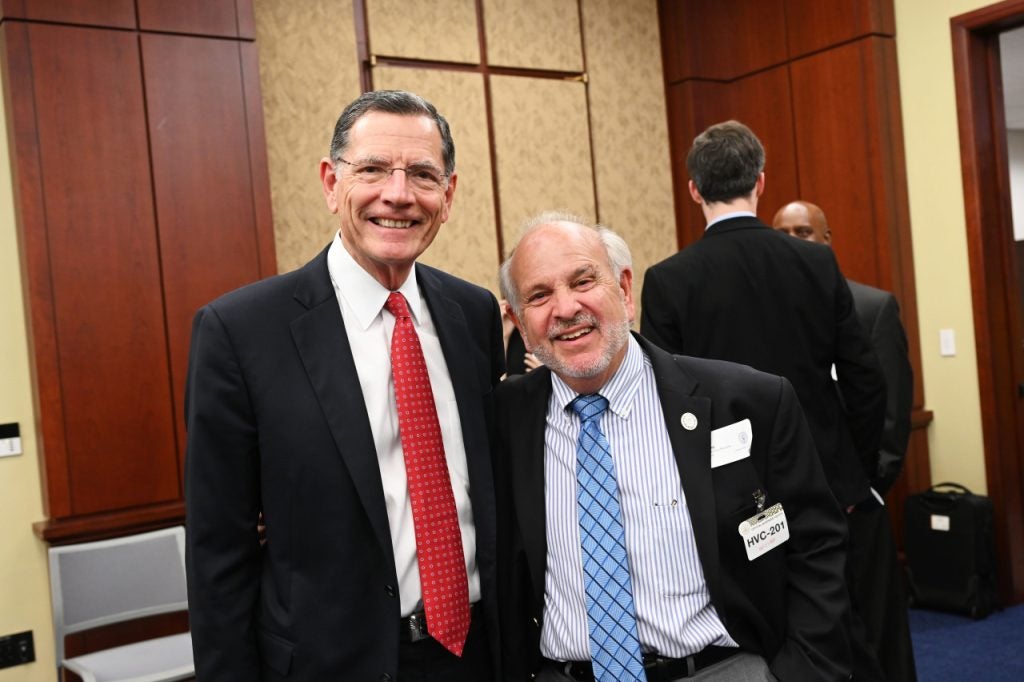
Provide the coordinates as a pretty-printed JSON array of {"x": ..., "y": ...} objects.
[{"x": 730, "y": 216}]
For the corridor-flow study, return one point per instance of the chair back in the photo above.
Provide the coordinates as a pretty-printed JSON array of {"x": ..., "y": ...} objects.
[{"x": 109, "y": 581}]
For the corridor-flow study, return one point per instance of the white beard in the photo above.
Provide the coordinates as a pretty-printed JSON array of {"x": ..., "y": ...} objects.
[{"x": 615, "y": 335}]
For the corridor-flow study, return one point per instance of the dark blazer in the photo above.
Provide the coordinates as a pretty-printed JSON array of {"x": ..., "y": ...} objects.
[
  {"x": 276, "y": 423},
  {"x": 515, "y": 355},
  {"x": 785, "y": 605},
  {"x": 879, "y": 315},
  {"x": 749, "y": 294}
]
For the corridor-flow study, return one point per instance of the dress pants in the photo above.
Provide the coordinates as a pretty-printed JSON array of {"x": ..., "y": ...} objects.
[{"x": 878, "y": 592}]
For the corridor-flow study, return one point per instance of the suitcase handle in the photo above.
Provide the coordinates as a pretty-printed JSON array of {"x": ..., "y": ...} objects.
[
  {"x": 943, "y": 497},
  {"x": 962, "y": 489}
]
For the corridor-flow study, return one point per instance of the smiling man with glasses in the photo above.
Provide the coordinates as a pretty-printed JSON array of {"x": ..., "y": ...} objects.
[{"x": 345, "y": 403}]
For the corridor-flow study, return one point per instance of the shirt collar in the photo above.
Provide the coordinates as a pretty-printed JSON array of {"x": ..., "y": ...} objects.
[
  {"x": 620, "y": 390},
  {"x": 364, "y": 295},
  {"x": 729, "y": 216}
]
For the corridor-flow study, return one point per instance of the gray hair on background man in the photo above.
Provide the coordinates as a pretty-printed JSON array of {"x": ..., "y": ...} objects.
[{"x": 615, "y": 248}]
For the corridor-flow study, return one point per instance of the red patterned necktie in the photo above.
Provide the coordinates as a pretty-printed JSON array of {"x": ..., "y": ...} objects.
[{"x": 438, "y": 539}]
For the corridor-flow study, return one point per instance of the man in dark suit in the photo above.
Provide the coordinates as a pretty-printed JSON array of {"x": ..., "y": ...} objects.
[
  {"x": 877, "y": 587},
  {"x": 879, "y": 314},
  {"x": 291, "y": 413},
  {"x": 695, "y": 457},
  {"x": 749, "y": 294}
]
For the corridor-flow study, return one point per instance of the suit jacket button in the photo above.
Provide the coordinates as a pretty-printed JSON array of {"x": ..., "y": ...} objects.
[{"x": 390, "y": 591}]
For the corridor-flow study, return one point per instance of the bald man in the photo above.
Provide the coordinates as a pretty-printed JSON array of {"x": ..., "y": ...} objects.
[
  {"x": 876, "y": 582},
  {"x": 696, "y": 455}
]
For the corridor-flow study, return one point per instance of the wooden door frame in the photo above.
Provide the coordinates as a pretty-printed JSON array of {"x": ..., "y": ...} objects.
[{"x": 984, "y": 163}]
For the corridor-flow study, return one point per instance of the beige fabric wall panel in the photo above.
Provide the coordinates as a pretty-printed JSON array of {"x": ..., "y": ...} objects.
[
  {"x": 627, "y": 107},
  {"x": 309, "y": 71},
  {"x": 542, "y": 144},
  {"x": 534, "y": 34},
  {"x": 443, "y": 30},
  {"x": 467, "y": 245}
]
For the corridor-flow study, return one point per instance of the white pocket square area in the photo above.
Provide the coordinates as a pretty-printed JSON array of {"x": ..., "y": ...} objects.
[{"x": 731, "y": 443}]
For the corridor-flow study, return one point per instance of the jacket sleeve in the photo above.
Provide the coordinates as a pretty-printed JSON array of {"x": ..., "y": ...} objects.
[
  {"x": 817, "y": 601},
  {"x": 222, "y": 506},
  {"x": 861, "y": 381},
  {"x": 658, "y": 314},
  {"x": 890, "y": 342}
]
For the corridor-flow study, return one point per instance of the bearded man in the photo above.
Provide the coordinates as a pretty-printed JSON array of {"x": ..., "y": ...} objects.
[{"x": 660, "y": 517}]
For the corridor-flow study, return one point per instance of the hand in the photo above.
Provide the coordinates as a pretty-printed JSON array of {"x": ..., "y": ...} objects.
[
  {"x": 531, "y": 362},
  {"x": 261, "y": 530}
]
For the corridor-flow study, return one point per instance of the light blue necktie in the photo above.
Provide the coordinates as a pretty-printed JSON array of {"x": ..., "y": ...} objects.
[{"x": 614, "y": 644}]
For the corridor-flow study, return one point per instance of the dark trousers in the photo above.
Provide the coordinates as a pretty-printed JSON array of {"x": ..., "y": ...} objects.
[
  {"x": 878, "y": 592},
  {"x": 428, "y": 661}
]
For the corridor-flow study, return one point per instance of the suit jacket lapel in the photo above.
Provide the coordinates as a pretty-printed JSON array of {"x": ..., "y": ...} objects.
[
  {"x": 528, "y": 419},
  {"x": 454, "y": 334},
  {"x": 322, "y": 343},
  {"x": 677, "y": 390}
]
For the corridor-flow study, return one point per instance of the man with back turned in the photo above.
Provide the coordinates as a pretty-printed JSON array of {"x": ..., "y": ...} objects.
[
  {"x": 749, "y": 294},
  {"x": 876, "y": 579}
]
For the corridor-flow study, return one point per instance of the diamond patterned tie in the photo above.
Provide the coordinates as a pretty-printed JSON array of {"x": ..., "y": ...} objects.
[
  {"x": 614, "y": 644},
  {"x": 438, "y": 539}
]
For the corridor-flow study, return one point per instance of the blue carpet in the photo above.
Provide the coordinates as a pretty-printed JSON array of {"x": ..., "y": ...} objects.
[{"x": 950, "y": 647}]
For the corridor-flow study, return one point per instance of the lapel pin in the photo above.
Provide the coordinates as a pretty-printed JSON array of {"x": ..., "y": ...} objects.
[{"x": 689, "y": 421}]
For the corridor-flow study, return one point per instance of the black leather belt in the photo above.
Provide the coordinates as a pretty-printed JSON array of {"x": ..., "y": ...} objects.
[
  {"x": 413, "y": 628},
  {"x": 658, "y": 668}
]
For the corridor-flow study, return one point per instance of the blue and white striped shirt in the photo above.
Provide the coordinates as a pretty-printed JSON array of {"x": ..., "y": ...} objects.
[{"x": 675, "y": 617}]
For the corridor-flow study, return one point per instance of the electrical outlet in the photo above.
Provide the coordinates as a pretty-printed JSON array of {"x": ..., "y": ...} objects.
[{"x": 16, "y": 649}]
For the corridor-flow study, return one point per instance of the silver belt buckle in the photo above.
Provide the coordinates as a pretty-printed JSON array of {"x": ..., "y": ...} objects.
[{"x": 418, "y": 627}]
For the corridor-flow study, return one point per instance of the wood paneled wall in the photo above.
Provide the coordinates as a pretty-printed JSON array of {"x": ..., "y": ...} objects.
[
  {"x": 818, "y": 83},
  {"x": 141, "y": 192}
]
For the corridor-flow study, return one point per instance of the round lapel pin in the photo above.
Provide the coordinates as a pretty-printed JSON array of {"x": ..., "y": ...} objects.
[{"x": 689, "y": 421}]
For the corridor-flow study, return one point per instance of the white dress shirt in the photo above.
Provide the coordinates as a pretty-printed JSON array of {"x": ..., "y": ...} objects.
[
  {"x": 369, "y": 328},
  {"x": 674, "y": 614}
]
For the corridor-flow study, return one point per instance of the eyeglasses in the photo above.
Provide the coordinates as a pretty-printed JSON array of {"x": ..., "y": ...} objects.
[{"x": 422, "y": 176}]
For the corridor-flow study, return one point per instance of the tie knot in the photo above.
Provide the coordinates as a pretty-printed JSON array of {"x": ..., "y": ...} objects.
[
  {"x": 396, "y": 305},
  {"x": 589, "y": 407}
]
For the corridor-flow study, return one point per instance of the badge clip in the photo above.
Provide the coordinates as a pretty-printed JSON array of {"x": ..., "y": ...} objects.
[{"x": 759, "y": 500}]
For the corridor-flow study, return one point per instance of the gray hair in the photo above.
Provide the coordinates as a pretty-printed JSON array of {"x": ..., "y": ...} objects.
[
  {"x": 392, "y": 102},
  {"x": 615, "y": 247}
]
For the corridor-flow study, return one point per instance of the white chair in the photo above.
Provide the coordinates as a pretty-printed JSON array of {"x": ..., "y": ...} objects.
[{"x": 110, "y": 581}]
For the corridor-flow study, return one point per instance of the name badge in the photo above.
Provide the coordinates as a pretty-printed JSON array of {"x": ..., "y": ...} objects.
[
  {"x": 764, "y": 531},
  {"x": 731, "y": 443}
]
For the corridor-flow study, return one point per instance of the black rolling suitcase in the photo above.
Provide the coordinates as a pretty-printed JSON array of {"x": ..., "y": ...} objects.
[{"x": 950, "y": 551}]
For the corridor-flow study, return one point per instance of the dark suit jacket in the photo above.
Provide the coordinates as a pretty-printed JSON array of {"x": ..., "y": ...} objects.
[
  {"x": 515, "y": 356},
  {"x": 785, "y": 605},
  {"x": 276, "y": 423},
  {"x": 879, "y": 314},
  {"x": 749, "y": 294}
]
